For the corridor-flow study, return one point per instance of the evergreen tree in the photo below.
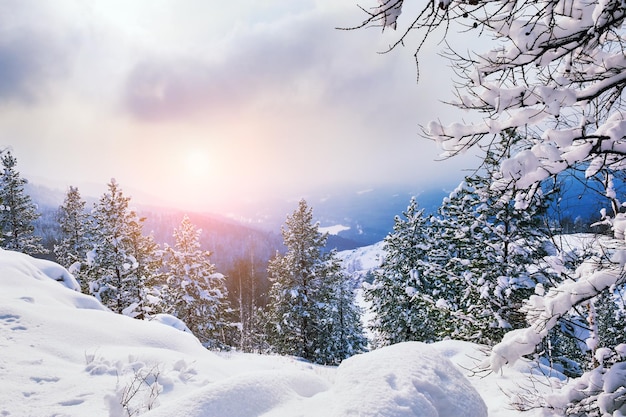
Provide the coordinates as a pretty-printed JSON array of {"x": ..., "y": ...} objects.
[
  {"x": 73, "y": 241},
  {"x": 145, "y": 273},
  {"x": 610, "y": 310},
  {"x": 403, "y": 294},
  {"x": 491, "y": 248},
  {"x": 122, "y": 261},
  {"x": 306, "y": 310},
  {"x": 18, "y": 213},
  {"x": 342, "y": 329},
  {"x": 196, "y": 293}
]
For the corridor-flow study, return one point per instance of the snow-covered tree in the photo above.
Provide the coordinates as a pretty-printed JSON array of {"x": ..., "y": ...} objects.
[
  {"x": 73, "y": 241},
  {"x": 146, "y": 273},
  {"x": 610, "y": 307},
  {"x": 405, "y": 291},
  {"x": 341, "y": 326},
  {"x": 311, "y": 310},
  {"x": 556, "y": 71},
  {"x": 492, "y": 253},
  {"x": 17, "y": 211},
  {"x": 196, "y": 293},
  {"x": 122, "y": 261}
]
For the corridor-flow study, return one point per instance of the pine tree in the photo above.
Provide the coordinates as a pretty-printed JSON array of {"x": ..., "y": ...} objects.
[
  {"x": 18, "y": 213},
  {"x": 73, "y": 241},
  {"x": 306, "y": 308},
  {"x": 404, "y": 293},
  {"x": 196, "y": 293}
]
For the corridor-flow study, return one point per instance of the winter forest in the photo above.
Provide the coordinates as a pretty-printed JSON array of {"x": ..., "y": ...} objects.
[{"x": 495, "y": 274}]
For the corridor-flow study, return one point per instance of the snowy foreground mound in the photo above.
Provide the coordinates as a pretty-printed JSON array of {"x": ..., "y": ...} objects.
[{"x": 64, "y": 354}]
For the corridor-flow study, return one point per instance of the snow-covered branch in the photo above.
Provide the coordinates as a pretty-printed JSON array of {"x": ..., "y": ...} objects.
[{"x": 543, "y": 313}]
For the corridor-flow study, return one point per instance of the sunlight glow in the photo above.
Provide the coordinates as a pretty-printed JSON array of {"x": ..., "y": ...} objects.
[{"x": 197, "y": 164}]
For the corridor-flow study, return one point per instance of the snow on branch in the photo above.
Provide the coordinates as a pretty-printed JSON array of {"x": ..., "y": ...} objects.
[
  {"x": 544, "y": 312},
  {"x": 388, "y": 12},
  {"x": 557, "y": 70}
]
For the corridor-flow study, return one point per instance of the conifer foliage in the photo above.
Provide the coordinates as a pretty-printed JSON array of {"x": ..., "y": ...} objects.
[
  {"x": 311, "y": 311},
  {"x": 73, "y": 241},
  {"x": 465, "y": 272},
  {"x": 403, "y": 288},
  {"x": 18, "y": 212},
  {"x": 122, "y": 260},
  {"x": 491, "y": 251},
  {"x": 555, "y": 70},
  {"x": 196, "y": 293}
]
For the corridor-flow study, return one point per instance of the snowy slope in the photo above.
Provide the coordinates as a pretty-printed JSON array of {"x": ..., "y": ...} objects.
[
  {"x": 360, "y": 261},
  {"x": 64, "y": 354}
]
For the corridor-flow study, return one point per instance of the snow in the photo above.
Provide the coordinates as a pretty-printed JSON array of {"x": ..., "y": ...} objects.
[
  {"x": 389, "y": 11},
  {"x": 65, "y": 354},
  {"x": 543, "y": 312},
  {"x": 384, "y": 383},
  {"x": 362, "y": 260},
  {"x": 334, "y": 230}
]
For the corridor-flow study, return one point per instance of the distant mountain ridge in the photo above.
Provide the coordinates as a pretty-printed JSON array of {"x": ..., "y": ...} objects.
[{"x": 354, "y": 216}]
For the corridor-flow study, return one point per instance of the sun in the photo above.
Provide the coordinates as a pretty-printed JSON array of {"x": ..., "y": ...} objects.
[{"x": 197, "y": 164}]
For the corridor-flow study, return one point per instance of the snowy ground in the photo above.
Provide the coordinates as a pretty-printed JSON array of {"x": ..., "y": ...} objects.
[{"x": 63, "y": 354}]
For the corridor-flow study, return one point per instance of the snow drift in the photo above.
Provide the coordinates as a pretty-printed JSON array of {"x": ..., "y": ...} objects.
[{"x": 65, "y": 354}]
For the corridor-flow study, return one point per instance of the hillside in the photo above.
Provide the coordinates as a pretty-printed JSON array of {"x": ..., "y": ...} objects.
[{"x": 65, "y": 354}]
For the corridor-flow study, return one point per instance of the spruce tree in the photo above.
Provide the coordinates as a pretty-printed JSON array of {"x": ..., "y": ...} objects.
[
  {"x": 464, "y": 244},
  {"x": 491, "y": 248},
  {"x": 122, "y": 261},
  {"x": 342, "y": 330},
  {"x": 17, "y": 211},
  {"x": 610, "y": 310},
  {"x": 146, "y": 272},
  {"x": 306, "y": 308},
  {"x": 73, "y": 240},
  {"x": 404, "y": 292},
  {"x": 196, "y": 292}
]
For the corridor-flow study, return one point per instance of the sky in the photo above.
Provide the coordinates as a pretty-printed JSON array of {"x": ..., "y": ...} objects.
[{"x": 199, "y": 103}]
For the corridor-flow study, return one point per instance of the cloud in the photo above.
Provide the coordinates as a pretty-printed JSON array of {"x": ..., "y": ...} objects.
[
  {"x": 301, "y": 59},
  {"x": 161, "y": 89},
  {"x": 256, "y": 63},
  {"x": 270, "y": 90},
  {"x": 30, "y": 61}
]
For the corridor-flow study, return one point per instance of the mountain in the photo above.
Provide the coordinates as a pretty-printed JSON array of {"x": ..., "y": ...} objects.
[
  {"x": 352, "y": 216},
  {"x": 227, "y": 239}
]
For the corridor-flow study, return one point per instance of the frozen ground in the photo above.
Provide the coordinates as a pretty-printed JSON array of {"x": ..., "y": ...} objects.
[{"x": 63, "y": 354}]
